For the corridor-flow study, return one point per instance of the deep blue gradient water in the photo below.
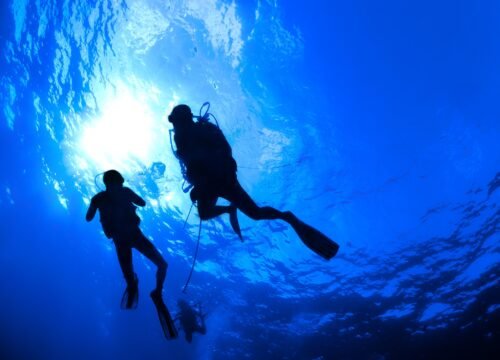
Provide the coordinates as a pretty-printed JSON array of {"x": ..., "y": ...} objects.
[{"x": 376, "y": 122}]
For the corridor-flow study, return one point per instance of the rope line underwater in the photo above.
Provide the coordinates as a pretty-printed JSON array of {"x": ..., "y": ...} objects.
[{"x": 194, "y": 260}]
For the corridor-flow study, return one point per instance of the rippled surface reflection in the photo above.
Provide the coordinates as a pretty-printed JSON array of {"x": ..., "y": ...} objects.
[{"x": 331, "y": 113}]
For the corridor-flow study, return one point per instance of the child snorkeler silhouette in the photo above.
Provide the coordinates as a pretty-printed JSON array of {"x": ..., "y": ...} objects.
[{"x": 117, "y": 209}]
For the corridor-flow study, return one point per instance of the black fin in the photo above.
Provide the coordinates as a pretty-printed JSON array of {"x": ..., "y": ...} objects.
[
  {"x": 233, "y": 220},
  {"x": 166, "y": 322},
  {"x": 130, "y": 297},
  {"x": 315, "y": 240}
]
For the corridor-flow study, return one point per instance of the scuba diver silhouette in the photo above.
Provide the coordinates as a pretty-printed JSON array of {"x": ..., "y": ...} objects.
[
  {"x": 208, "y": 165},
  {"x": 117, "y": 209},
  {"x": 190, "y": 320}
]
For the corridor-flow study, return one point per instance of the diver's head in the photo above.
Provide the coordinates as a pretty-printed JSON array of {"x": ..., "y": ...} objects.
[
  {"x": 112, "y": 178},
  {"x": 181, "y": 115}
]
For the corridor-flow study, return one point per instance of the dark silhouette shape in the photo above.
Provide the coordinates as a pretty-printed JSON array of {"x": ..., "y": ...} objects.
[
  {"x": 117, "y": 209},
  {"x": 190, "y": 320},
  {"x": 166, "y": 322},
  {"x": 211, "y": 169}
]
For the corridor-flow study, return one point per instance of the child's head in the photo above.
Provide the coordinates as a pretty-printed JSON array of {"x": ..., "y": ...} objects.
[{"x": 112, "y": 178}]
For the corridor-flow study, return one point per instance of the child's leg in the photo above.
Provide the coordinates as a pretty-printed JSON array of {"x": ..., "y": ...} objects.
[
  {"x": 124, "y": 253},
  {"x": 146, "y": 247}
]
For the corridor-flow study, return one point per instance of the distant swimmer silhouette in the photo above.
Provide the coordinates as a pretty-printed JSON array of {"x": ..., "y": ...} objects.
[
  {"x": 191, "y": 320},
  {"x": 117, "y": 209},
  {"x": 208, "y": 165}
]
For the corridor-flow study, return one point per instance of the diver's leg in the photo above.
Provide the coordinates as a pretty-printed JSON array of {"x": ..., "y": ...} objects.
[
  {"x": 124, "y": 253},
  {"x": 239, "y": 198},
  {"x": 311, "y": 237},
  {"x": 207, "y": 208},
  {"x": 146, "y": 247}
]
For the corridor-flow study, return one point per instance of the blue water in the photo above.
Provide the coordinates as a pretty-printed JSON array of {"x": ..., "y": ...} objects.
[{"x": 376, "y": 122}]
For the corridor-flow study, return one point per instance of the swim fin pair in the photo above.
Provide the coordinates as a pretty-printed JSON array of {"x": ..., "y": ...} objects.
[
  {"x": 130, "y": 297},
  {"x": 233, "y": 220},
  {"x": 166, "y": 321},
  {"x": 313, "y": 238}
]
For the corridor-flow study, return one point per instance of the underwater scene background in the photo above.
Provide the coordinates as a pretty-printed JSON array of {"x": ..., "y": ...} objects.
[{"x": 376, "y": 122}]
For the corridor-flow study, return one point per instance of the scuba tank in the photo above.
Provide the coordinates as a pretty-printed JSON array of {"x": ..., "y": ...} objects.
[{"x": 203, "y": 117}]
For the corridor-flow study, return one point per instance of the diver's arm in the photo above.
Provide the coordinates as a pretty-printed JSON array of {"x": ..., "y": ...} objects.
[
  {"x": 136, "y": 199},
  {"x": 91, "y": 210}
]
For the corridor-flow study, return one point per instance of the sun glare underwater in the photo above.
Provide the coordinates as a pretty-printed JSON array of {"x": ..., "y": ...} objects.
[{"x": 378, "y": 123}]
